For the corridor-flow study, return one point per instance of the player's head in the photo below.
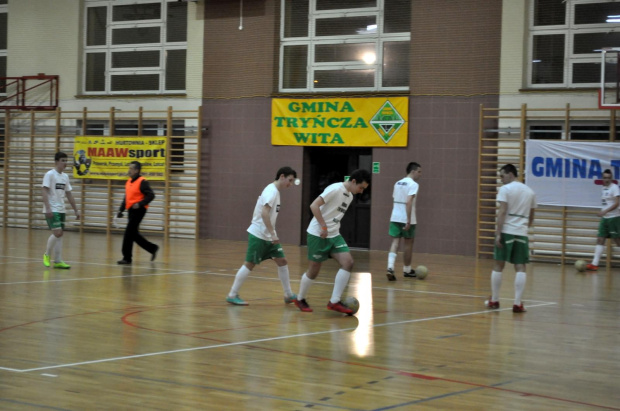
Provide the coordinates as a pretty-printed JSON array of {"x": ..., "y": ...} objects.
[
  {"x": 60, "y": 159},
  {"x": 412, "y": 167},
  {"x": 134, "y": 169},
  {"x": 287, "y": 171},
  {"x": 508, "y": 173},
  {"x": 607, "y": 177},
  {"x": 360, "y": 180},
  {"x": 415, "y": 169}
]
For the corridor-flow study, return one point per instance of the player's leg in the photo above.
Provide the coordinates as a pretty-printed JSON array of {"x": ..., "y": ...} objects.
[
  {"x": 520, "y": 279},
  {"x": 409, "y": 238},
  {"x": 307, "y": 279},
  {"x": 285, "y": 280},
  {"x": 500, "y": 255},
  {"x": 254, "y": 255},
  {"x": 143, "y": 242},
  {"x": 341, "y": 253},
  {"x": 602, "y": 234},
  {"x": 54, "y": 224},
  {"x": 395, "y": 234},
  {"x": 134, "y": 218}
]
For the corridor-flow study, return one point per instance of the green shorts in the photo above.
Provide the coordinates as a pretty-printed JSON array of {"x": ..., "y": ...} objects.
[
  {"x": 398, "y": 230},
  {"x": 261, "y": 250},
  {"x": 515, "y": 250},
  {"x": 319, "y": 249},
  {"x": 609, "y": 227},
  {"x": 57, "y": 221}
]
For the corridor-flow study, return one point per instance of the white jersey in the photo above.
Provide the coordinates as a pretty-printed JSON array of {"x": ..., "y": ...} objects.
[
  {"x": 608, "y": 198},
  {"x": 402, "y": 190},
  {"x": 520, "y": 199},
  {"x": 58, "y": 184},
  {"x": 337, "y": 200},
  {"x": 271, "y": 197}
]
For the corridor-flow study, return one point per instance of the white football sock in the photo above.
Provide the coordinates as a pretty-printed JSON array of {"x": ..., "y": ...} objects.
[
  {"x": 341, "y": 281},
  {"x": 391, "y": 260},
  {"x": 58, "y": 250},
  {"x": 519, "y": 286},
  {"x": 598, "y": 251},
  {"x": 51, "y": 246},
  {"x": 304, "y": 286},
  {"x": 240, "y": 277},
  {"x": 496, "y": 284},
  {"x": 285, "y": 280}
]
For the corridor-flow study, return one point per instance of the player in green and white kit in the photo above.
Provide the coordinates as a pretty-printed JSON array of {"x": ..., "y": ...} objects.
[
  {"x": 403, "y": 219},
  {"x": 263, "y": 241},
  {"x": 54, "y": 189},
  {"x": 516, "y": 213},
  {"x": 609, "y": 226},
  {"x": 324, "y": 239}
]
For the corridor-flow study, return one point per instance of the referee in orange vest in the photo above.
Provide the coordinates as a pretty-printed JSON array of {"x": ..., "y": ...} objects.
[{"x": 138, "y": 194}]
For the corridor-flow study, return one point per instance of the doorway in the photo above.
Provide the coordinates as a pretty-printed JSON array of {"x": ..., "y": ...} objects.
[{"x": 326, "y": 165}]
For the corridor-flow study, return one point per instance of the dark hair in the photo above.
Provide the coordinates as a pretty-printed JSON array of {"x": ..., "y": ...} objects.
[
  {"x": 412, "y": 167},
  {"x": 136, "y": 165},
  {"x": 608, "y": 171},
  {"x": 360, "y": 176},
  {"x": 60, "y": 155},
  {"x": 509, "y": 168},
  {"x": 287, "y": 171}
]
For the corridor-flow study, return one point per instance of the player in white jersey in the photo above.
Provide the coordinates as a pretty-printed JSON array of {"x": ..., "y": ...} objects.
[
  {"x": 609, "y": 226},
  {"x": 516, "y": 213},
  {"x": 324, "y": 239},
  {"x": 263, "y": 241},
  {"x": 403, "y": 219},
  {"x": 54, "y": 189}
]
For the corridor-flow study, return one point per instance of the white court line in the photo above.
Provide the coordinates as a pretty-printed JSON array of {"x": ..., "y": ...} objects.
[
  {"x": 208, "y": 347},
  {"x": 150, "y": 267},
  {"x": 97, "y": 278}
]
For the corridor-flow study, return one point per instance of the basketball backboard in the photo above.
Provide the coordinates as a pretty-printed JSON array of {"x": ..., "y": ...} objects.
[{"x": 609, "y": 92}]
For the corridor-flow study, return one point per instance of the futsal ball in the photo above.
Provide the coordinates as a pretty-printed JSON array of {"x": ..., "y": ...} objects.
[
  {"x": 421, "y": 272},
  {"x": 580, "y": 265},
  {"x": 352, "y": 303}
]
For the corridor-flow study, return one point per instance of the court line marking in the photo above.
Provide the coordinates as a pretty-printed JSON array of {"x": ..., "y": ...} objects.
[
  {"x": 285, "y": 337},
  {"x": 97, "y": 278},
  {"x": 209, "y": 272}
]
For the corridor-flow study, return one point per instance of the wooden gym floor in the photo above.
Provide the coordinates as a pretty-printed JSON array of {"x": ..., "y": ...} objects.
[{"x": 160, "y": 335}]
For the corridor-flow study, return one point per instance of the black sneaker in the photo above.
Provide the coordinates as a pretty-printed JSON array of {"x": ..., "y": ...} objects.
[
  {"x": 410, "y": 274},
  {"x": 390, "y": 275}
]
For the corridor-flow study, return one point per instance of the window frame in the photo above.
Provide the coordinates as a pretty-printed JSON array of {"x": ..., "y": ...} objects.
[
  {"x": 4, "y": 9},
  {"x": 312, "y": 40},
  {"x": 569, "y": 29},
  {"x": 109, "y": 49}
]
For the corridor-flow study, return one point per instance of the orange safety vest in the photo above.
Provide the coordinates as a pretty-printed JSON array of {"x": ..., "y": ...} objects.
[{"x": 133, "y": 194}]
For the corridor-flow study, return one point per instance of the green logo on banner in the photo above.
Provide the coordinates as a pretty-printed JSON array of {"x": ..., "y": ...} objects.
[{"x": 387, "y": 122}]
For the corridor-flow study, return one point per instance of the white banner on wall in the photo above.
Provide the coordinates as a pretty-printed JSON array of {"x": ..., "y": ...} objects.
[{"x": 569, "y": 173}]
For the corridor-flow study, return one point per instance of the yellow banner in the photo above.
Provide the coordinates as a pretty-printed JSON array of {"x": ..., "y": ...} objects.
[
  {"x": 339, "y": 122},
  {"x": 109, "y": 157}
]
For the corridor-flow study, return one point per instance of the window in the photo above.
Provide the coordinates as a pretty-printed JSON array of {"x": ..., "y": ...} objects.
[
  {"x": 578, "y": 131},
  {"x": 4, "y": 16},
  {"x": 344, "y": 45},
  {"x": 564, "y": 37},
  {"x": 135, "y": 46}
]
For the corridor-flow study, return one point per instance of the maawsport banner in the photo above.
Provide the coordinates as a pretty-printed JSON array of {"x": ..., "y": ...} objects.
[
  {"x": 569, "y": 173},
  {"x": 340, "y": 122},
  {"x": 109, "y": 157}
]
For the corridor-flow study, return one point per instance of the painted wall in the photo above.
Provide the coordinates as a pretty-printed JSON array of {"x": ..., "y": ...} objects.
[
  {"x": 46, "y": 37},
  {"x": 454, "y": 68}
]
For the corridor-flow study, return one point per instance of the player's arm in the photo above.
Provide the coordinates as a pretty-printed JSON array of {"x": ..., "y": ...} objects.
[
  {"x": 72, "y": 202},
  {"x": 315, "y": 207},
  {"x": 409, "y": 209},
  {"x": 501, "y": 217},
  {"x": 530, "y": 222},
  {"x": 611, "y": 207},
  {"x": 265, "y": 212},
  {"x": 46, "y": 200}
]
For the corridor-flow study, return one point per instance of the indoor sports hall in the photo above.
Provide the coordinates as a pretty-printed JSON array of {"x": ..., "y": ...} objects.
[{"x": 213, "y": 97}]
